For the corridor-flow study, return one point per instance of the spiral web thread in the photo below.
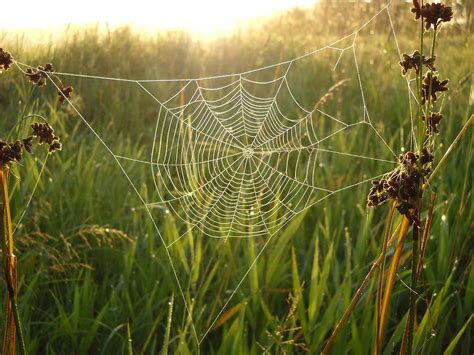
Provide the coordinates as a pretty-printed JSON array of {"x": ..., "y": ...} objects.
[{"x": 226, "y": 160}]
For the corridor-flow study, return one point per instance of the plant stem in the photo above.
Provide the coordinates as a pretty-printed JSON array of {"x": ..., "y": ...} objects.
[
  {"x": 355, "y": 299},
  {"x": 12, "y": 309},
  {"x": 8, "y": 311},
  {"x": 414, "y": 278},
  {"x": 407, "y": 339},
  {"x": 6, "y": 210},
  {"x": 382, "y": 266},
  {"x": 391, "y": 279},
  {"x": 455, "y": 141},
  {"x": 129, "y": 337},
  {"x": 433, "y": 45},
  {"x": 426, "y": 232},
  {"x": 428, "y": 106},
  {"x": 421, "y": 131},
  {"x": 10, "y": 267},
  {"x": 8, "y": 334}
]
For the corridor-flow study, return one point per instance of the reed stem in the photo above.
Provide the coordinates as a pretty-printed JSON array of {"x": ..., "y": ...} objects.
[
  {"x": 421, "y": 131},
  {"x": 426, "y": 231},
  {"x": 456, "y": 140},
  {"x": 382, "y": 266},
  {"x": 407, "y": 340},
  {"x": 356, "y": 298},
  {"x": 414, "y": 278},
  {"x": 12, "y": 321},
  {"x": 391, "y": 280}
]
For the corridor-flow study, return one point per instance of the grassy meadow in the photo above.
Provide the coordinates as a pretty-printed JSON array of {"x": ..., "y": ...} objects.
[{"x": 90, "y": 261}]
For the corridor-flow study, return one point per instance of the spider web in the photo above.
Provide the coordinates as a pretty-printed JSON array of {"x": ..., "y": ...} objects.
[{"x": 240, "y": 155}]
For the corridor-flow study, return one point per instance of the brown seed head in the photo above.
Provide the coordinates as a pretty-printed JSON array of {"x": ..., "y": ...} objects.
[
  {"x": 55, "y": 147},
  {"x": 6, "y": 60},
  {"x": 415, "y": 61},
  {"x": 65, "y": 93},
  {"x": 427, "y": 157},
  {"x": 44, "y": 132},
  {"x": 436, "y": 13},
  {"x": 10, "y": 152},
  {"x": 39, "y": 75},
  {"x": 28, "y": 143},
  {"x": 416, "y": 9},
  {"x": 432, "y": 14},
  {"x": 433, "y": 122},
  {"x": 402, "y": 184},
  {"x": 35, "y": 77},
  {"x": 48, "y": 68},
  {"x": 432, "y": 82}
]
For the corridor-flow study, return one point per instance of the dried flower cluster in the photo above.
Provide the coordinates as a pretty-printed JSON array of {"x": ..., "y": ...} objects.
[
  {"x": 433, "y": 14},
  {"x": 39, "y": 75},
  {"x": 10, "y": 152},
  {"x": 432, "y": 123},
  {"x": 13, "y": 152},
  {"x": 6, "y": 60},
  {"x": 45, "y": 134},
  {"x": 432, "y": 85},
  {"x": 415, "y": 61},
  {"x": 65, "y": 93},
  {"x": 403, "y": 183}
]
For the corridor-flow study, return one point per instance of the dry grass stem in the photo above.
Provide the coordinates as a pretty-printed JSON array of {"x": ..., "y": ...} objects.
[
  {"x": 382, "y": 266},
  {"x": 356, "y": 297},
  {"x": 456, "y": 140},
  {"x": 390, "y": 281}
]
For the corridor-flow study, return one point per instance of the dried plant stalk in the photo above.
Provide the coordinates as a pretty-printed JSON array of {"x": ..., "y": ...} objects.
[
  {"x": 407, "y": 339},
  {"x": 357, "y": 296},
  {"x": 382, "y": 266},
  {"x": 12, "y": 319},
  {"x": 390, "y": 281}
]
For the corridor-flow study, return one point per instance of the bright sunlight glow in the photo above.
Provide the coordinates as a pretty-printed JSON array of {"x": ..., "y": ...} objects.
[{"x": 203, "y": 16}]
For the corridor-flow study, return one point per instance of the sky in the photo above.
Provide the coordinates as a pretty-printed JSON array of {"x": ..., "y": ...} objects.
[{"x": 204, "y": 16}]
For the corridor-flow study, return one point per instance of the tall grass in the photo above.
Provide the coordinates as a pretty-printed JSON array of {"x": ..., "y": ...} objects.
[{"x": 90, "y": 265}]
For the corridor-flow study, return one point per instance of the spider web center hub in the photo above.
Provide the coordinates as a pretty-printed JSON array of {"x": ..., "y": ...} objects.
[{"x": 248, "y": 152}]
